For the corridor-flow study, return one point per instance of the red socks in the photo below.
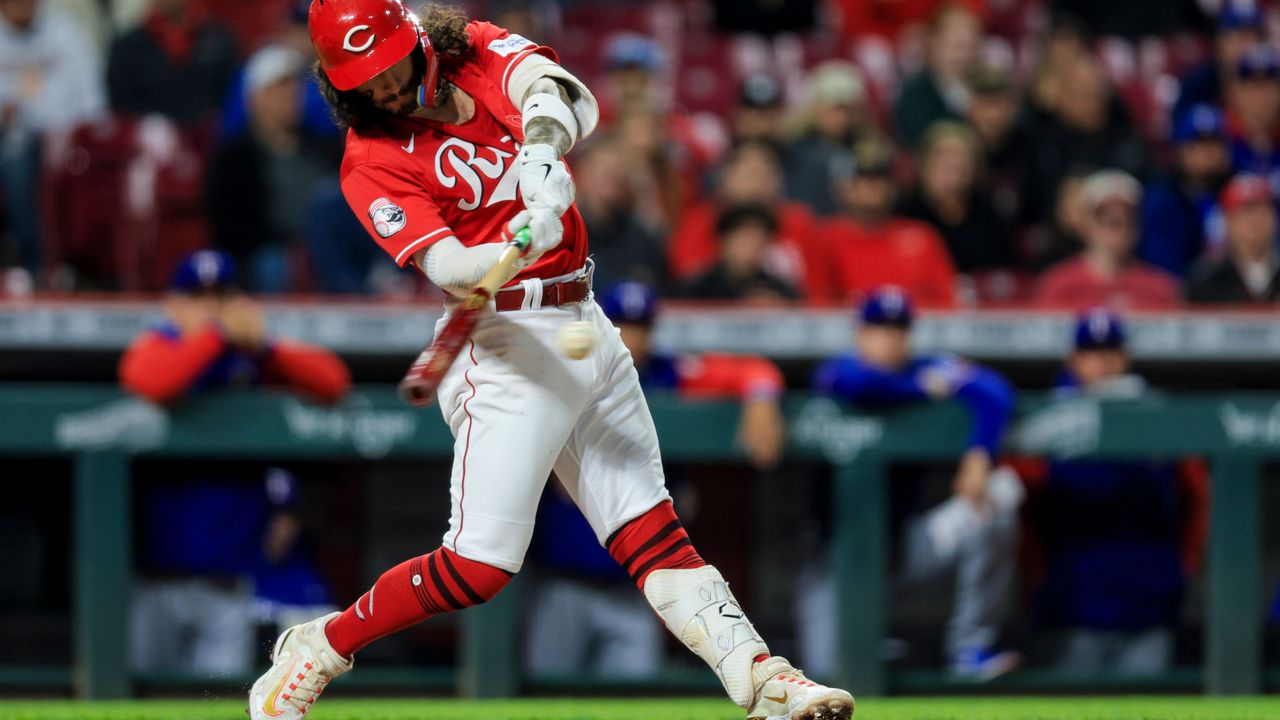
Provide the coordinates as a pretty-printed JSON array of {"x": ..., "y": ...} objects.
[
  {"x": 411, "y": 592},
  {"x": 654, "y": 541},
  {"x": 443, "y": 581}
]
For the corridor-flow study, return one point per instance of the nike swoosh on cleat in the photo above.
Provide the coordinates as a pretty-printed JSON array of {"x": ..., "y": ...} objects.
[
  {"x": 269, "y": 706},
  {"x": 780, "y": 700}
]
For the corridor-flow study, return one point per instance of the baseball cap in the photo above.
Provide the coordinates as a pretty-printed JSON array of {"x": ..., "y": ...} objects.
[
  {"x": 1258, "y": 62},
  {"x": 1245, "y": 190},
  {"x": 271, "y": 64},
  {"x": 837, "y": 82},
  {"x": 760, "y": 91},
  {"x": 632, "y": 50},
  {"x": 1106, "y": 185},
  {"x": 887, "y": 305},
  {"x": 203, "y": 270},
  {"x": 1199, "y": 122},
  {"x": 1099, "y": 329},
  {"x": 1239, "y": 15},
  {"x": 629, "y": 302}
]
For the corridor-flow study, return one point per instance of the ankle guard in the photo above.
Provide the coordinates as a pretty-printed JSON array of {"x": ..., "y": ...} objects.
[{"x": 698, "y": 608}]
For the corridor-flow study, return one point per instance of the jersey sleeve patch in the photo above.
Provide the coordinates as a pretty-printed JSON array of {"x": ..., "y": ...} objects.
[
  {"x": 509, "y": 45},
  {"x": 387, "y": 217}
]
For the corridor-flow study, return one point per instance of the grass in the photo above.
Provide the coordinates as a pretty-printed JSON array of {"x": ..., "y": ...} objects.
[{"x": 985, "y": 708}]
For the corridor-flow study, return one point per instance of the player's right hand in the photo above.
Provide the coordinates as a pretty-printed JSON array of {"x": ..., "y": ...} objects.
[{"x": 545, "y": 231}]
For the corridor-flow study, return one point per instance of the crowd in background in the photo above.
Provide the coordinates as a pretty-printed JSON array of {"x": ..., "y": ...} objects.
[{"x": 974, "y": 153}]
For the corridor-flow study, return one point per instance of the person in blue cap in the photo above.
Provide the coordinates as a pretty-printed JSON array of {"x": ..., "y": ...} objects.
[
  {"x": 585, "y": 617},
  {"x": 973, "y": 534},
  {"x": 213, "y": 336},
  {"x": 216, "y": 546},
  {"x": 1240, "y": 27},
  {"x": 1253, "y": 113},
  {"x": 1180, "y": 216},
  {"x": 1118, "y": 537}
]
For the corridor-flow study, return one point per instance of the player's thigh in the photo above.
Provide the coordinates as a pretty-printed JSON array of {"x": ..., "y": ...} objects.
[
  {"x": 511, "y": 405},
  {"x": 611, "y": 465}
]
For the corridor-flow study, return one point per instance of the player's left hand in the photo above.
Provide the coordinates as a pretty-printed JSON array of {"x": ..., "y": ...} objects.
[
  {"x": 762, "y": 432},
  {"x": 544, "y": 179}
]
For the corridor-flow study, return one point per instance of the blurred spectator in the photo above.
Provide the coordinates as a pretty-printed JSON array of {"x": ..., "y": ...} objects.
[
  {"x": 1105, "y": 272},
  {"x": 625, "y": 246},
  {"x": 1240, "y": 27},
  {"x": 751, "y": 174},
  {"x": 1179, "y": 209},
  {"x": 948, "y": 196},
  {"x": 971, "y": 536},
  {"x": 871, "y": 247},
  {"x": 658, "y": 161},
  {"x": 745, "y": 233},
  {"x": 178, "y": 63},
  {"x": 262, "y": 181},
  {"x": 1118, "y": 537},
  {"x": 214, "y": 337},
  {"x": 49, "y": 81},
  {"x": 210, "y": 543},
  {"x": 1085, "y": 127},
  {"x": 316, "y": 114},
  {"x": 1253, "y": 113},
  {"x": 938, "y": 92},
  {"x": 758, "y": 115},
  {"x": 632, "y": 62},
  {"x": 1250, "y": 270},
  {"x": 835, "y": 118},
  {"x": 993, "y": 116},
  {"x": 755, "y": 381},
  {"x": 1064, "y": 235},
  {"x": 1065, "y": 44}
]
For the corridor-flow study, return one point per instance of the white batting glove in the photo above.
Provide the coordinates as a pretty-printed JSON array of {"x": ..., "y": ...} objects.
[
  {"x": 545, "y": 231},
  {"x": 544, "y": 179}
]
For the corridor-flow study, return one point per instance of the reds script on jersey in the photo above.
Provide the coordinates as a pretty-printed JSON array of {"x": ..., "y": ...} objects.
[{"x": 414, "y": 182}]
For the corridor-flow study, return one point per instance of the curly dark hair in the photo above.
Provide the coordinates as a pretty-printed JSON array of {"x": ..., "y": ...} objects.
[{"x": 445, "y": 25}]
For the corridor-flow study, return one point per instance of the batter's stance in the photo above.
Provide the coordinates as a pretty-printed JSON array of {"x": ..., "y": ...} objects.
[{"x": 457, "y": 130}]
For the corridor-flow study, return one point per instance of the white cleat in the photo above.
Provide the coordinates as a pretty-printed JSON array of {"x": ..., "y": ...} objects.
[
  {"x": 303, "y": 663},
  {"x": 783, "y": 693}
]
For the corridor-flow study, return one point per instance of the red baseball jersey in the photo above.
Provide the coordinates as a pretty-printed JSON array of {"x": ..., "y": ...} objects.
[{"x": 415, "y": 182}]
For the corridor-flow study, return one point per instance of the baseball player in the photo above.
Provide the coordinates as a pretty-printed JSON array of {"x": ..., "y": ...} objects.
[
  {"x": 971, "y": 536},
  {"x": 457, "y": 130}
]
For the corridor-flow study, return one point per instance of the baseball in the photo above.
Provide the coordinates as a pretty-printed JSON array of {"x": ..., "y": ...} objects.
[{"x": 577, "y": 339}]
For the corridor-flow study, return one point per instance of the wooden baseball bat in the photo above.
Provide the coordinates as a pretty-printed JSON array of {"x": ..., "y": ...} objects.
[{"x": 419, "y": 384}]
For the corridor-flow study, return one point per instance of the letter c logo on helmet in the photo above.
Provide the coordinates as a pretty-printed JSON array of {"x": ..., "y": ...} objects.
[
  {"x": 346, "y": 41},
  {"x": 358, "y": 39}
]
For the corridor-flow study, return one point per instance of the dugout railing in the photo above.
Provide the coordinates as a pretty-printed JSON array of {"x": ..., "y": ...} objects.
[{"x": 102, "y": 430}]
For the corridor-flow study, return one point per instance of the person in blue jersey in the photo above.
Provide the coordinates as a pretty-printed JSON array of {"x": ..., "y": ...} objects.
[
  {"x": 585, "y": 617},
  {"x": 220, "y": 549},
  {"x": 973, "y": 535},
  {"x": 1118, "y": 537}
]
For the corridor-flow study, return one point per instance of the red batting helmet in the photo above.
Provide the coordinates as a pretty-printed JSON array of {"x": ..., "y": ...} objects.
[{"x": 357, "y": 39}]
